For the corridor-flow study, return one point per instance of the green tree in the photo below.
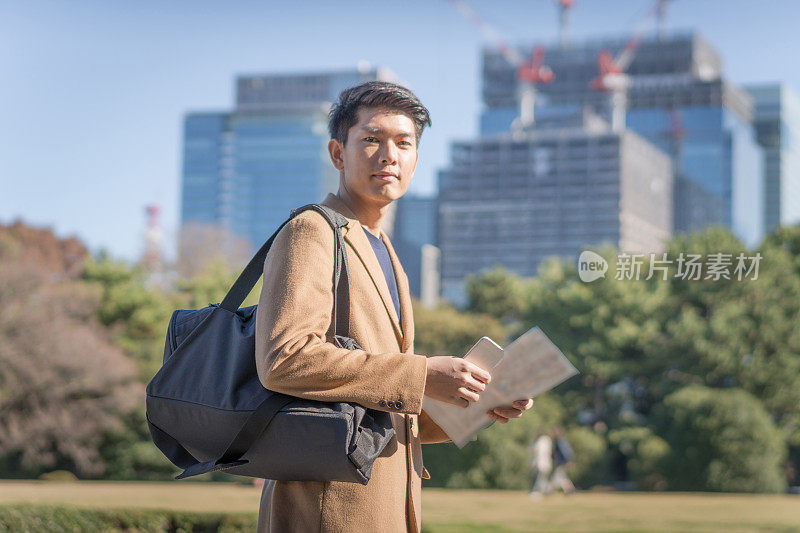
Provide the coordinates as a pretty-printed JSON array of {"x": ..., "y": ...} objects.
[
  {"x": 212, "y": 283},
  {"x": 742, "y": 333},
  {"x": 447, "y": 331},
  {"x": 787, "y": 239},
  {"x": 591, "y": 464},
  {"x": 720, "y": 440},
  {"x": 137, "y": 316},
  {"x": 129, "y": 453},
  {"x": 644, "y": 454},
  {"x": 608, "y": 328},
  {"x": 497, "y": 292}
]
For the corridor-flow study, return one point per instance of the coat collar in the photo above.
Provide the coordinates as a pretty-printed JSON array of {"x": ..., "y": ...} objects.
[{"x": 355, "y": 234}]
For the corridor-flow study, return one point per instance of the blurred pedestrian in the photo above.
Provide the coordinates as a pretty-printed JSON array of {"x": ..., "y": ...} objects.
[
  {"x": 541, "y": 451},
  {"x": 562, "y": 456}
]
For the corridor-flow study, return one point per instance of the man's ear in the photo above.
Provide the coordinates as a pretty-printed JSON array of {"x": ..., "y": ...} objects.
[{"x": 336, "y": 151}]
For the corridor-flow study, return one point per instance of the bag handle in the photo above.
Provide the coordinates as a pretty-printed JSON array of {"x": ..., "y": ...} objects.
[{"x": 252, "y": 272}]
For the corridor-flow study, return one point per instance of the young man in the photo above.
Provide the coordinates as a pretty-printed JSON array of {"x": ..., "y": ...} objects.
[{"x": 375, "y": 129}]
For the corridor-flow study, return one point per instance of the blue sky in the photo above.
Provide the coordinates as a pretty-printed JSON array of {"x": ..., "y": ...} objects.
[{"x": 92, "y": 93}]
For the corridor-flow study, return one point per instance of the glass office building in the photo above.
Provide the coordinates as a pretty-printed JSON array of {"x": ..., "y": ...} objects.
[
  {"x": 718, "y": 164},
  {"x": 244, "y": 170},
  {"x": 776, "y": 115},
  {"x": 414, "y": 227}
]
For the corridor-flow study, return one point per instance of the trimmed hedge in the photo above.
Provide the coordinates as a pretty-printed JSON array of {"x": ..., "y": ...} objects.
[{"x": 32, "y": 518}]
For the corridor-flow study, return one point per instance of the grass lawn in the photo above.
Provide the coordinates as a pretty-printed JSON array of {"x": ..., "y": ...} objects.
[
  {"x": 500, "y": 511},
  {"x": 446, "y": 511}
]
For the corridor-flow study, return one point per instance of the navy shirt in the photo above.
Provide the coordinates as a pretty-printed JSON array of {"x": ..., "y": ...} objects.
[{"x": 386, "y": 265}]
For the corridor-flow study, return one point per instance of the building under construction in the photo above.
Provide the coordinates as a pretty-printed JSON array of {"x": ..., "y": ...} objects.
[
  {"x": 662, "y": 143},
  {"x": 675, "y": 95},
  {"x": 570, "y": 183}
]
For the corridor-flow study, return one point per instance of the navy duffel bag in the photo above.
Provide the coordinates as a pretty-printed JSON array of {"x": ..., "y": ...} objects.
[{"x": 207, "y": 409}]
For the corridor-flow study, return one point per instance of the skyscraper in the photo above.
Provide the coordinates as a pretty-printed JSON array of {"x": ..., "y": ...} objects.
[
  {"x": 776, "y": 115},
  {"x": 244, "y": 170},
  {"x": 414, "y": 227}
]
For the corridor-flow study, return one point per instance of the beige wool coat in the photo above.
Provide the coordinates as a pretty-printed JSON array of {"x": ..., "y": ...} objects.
[{"x": 295, "y": 356}]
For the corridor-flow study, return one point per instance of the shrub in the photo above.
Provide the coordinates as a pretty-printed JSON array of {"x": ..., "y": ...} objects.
[
  {"x": 59, "y": 475},
  {"x": 644, "y": 453},
  {"x": 45, "y": 518},
  {"x": 591, "y": 457},
  {"x": 720, "y": 440}
]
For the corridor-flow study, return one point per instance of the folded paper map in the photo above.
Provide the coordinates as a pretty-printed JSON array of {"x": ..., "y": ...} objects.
[{"x": 527, "y": 367}]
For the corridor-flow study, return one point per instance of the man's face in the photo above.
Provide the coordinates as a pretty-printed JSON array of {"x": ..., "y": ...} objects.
[{"x": 379, "y": 158}]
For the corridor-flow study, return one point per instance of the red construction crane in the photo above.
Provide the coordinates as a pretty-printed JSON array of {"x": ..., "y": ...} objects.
[
  {"x": 509, "y": 53},
  {"x": 611, "y": 76},
  {"x": 660, "y": 17},
  {"x": 612, "y": 79},
  {"x": 530, "y": 72},
  {"x": 675, "y": 134},
  {"x": 529, "y": 75},
  {"x": 534, "y": 70},
  {"x": 563, "y": 20}
]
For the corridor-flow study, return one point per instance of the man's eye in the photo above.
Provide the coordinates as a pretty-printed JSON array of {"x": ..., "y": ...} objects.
[
  {"x": 371, "y": 139},
  {"x": 407, "y": 143}
]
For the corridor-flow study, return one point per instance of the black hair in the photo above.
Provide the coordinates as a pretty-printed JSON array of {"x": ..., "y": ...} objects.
[{"x": 377, "y": 95}]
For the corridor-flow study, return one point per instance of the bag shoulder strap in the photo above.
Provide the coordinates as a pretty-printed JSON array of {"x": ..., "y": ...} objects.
[
  {"x": 253, "y": 427},
  {"x": 254, "y": 269}
]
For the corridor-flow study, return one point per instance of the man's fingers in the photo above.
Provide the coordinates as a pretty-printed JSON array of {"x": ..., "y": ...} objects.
[
  {"x": 503, "y": 414},
  {"x": 508, "y": 413},
  {"x": 468, "y": 394},
  {"x": 478, "y": 373},
  {"x": 495, "y": 416},
  {"x": 523, "y": 404},
  {"x": 476, "y": 385}
]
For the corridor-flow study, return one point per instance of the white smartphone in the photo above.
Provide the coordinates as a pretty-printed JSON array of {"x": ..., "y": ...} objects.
[{"x": 485, "y": 353}]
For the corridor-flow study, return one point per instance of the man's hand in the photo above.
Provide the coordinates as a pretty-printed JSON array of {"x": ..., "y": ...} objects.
[
  {"x": 502, "y": 414},
  {"x": 454, "y": 380}
]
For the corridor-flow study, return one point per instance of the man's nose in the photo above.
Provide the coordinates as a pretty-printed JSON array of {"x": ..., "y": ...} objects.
[{"x": 388, "y": 154}]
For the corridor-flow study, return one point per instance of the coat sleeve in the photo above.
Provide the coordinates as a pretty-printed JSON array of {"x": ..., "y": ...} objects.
[{"x": 294, "y": 352}]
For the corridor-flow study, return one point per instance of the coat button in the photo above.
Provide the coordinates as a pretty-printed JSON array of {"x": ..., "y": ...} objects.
[
  {"x": 382, "y": 403},
  {"x": 398, "y": 404},
  {"x": 390, "y": 405}
]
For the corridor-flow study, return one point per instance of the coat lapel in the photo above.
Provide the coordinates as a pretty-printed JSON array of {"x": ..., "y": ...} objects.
[{"x": 354, "y": 234}]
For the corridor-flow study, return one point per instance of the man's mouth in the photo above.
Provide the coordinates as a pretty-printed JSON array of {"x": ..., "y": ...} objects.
[{"x": 385, "y": 176}]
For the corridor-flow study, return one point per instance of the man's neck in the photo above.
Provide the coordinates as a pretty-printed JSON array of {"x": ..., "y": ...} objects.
[{"x": 369, "y": 216}]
